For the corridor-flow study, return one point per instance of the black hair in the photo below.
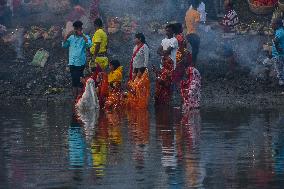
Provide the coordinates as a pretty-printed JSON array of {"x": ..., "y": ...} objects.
[
  {"x": 136, "y": 70},
  {"x": 77, "y": 24},
  {"x": 178, "y": 28},
  {"x": 142, "y": 70},
  {"x": 98, "y": 22},
  {"x": 141, "y": 37},
  {"x": 115, "y": 64},
  {"x": 172, "y": 27}
]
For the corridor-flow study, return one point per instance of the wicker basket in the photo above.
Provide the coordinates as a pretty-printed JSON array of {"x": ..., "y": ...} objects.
[
  {"x": 260, "y": 9},
  {"x": 281, "y": 6}
]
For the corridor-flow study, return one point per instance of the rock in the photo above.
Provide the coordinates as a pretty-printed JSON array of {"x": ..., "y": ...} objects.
[{"x": 40, "y": 58}]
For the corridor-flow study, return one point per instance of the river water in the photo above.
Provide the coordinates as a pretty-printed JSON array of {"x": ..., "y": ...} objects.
[{"x": 48, "y": 147}]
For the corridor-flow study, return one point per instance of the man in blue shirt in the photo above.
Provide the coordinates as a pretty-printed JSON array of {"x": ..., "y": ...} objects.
[
  {"x": 278, "y": 49},
  {"x": 77, "y": 42}
]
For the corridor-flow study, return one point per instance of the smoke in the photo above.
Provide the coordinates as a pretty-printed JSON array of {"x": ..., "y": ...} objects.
[
  {"x": 144, "y": 10},
  {"x": 247, "y": 49},
  {"x": 19, "y": 42}
]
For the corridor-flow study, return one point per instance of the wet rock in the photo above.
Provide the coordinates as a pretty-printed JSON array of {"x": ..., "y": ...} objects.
[{"x": 29, "y": 85}]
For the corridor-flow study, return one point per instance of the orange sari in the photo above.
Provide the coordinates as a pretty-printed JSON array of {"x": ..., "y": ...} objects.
[
  {"x": 114, "y": 99},
  {"x": 139, "y": 92}
]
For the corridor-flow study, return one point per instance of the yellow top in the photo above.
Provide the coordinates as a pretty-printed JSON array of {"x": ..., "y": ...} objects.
[
  {"x": 192, "y": 18},
  {"x": 100, "y": 36},
  {"x": 116, "y": 75}
]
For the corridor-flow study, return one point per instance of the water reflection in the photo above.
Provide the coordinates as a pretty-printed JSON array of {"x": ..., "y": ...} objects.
[
  {"x": 77, "y": 145},
  {"x": 138, "y": 128},
  {"x": 107, "y": 137},
  {"x": 279, "y": 151},
  {"x": 194, "y": 170},
  {"x": 164, "y": 148},
  {"x": 168, "y": 133},
  {"x": 99, "y": 146},
  {"x": 88, "y": 120}
]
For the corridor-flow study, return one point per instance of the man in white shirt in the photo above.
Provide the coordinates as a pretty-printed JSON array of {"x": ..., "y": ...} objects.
[{"x": 169, "y": 45}]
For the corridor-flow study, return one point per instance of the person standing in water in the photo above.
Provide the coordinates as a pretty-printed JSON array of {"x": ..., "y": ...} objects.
[
  {"x": 140, "y": 56},
  {"x": 99, "y": 49},
  {"x": 77, "y": 42},
  {"x": 169, "y": 45},
  {"x": 167, "y": 51}
]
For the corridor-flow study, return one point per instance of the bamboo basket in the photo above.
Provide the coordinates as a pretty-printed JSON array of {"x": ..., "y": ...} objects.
[
  {"x": 281, "y": 5},
  {"x": 260, "y": 9}
]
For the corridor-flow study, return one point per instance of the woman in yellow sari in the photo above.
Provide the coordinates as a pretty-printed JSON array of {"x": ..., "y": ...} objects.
[
  {"x": 114, "y": 98},
  {"x": 138, "y": 92}
]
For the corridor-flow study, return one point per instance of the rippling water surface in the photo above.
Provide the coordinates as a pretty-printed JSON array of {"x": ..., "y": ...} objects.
[{"x": 47, "y": 147}]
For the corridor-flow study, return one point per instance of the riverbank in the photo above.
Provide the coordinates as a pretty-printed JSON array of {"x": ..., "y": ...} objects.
[
  {"x": 22, "y": 82},
  {"x": 249, "y": 85}
]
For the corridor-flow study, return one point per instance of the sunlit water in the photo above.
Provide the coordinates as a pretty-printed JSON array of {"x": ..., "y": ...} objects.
[{"x": 161, "y": 148}]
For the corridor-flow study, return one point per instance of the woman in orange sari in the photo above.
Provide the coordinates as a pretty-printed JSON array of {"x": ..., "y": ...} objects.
[
  {"x": 114, "y": 98},
  {"x": 138, "y": 92}
]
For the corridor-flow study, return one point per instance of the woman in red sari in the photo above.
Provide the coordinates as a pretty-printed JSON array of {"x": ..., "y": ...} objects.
[
  {"x": 164, "y": 81},
  {"x": 102, "y": 89},
  {"x": 183, "y": 56}
]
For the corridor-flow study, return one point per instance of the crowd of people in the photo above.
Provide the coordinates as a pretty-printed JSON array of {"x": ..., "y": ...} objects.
[
  {"x": 104, "y": 89},
  {"x": 176, "y": 74}
]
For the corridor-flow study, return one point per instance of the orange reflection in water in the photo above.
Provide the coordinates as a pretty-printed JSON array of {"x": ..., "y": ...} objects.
[{"x": 139, "y": 132}]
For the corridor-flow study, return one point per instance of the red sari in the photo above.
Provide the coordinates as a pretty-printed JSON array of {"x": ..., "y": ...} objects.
[
  {"x": 183, "y": 57},
  {"x": 102, "y": 88},
  {"x": 164, "y": 82}
]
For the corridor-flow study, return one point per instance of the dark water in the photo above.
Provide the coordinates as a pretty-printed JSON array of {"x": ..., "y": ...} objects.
[{"x": 45, "y": 147}]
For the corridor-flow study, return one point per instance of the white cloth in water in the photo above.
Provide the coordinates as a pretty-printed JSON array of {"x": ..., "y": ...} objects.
[
  {"x": 90, "y": 120},
  {"x": 89, "y": 100}
]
